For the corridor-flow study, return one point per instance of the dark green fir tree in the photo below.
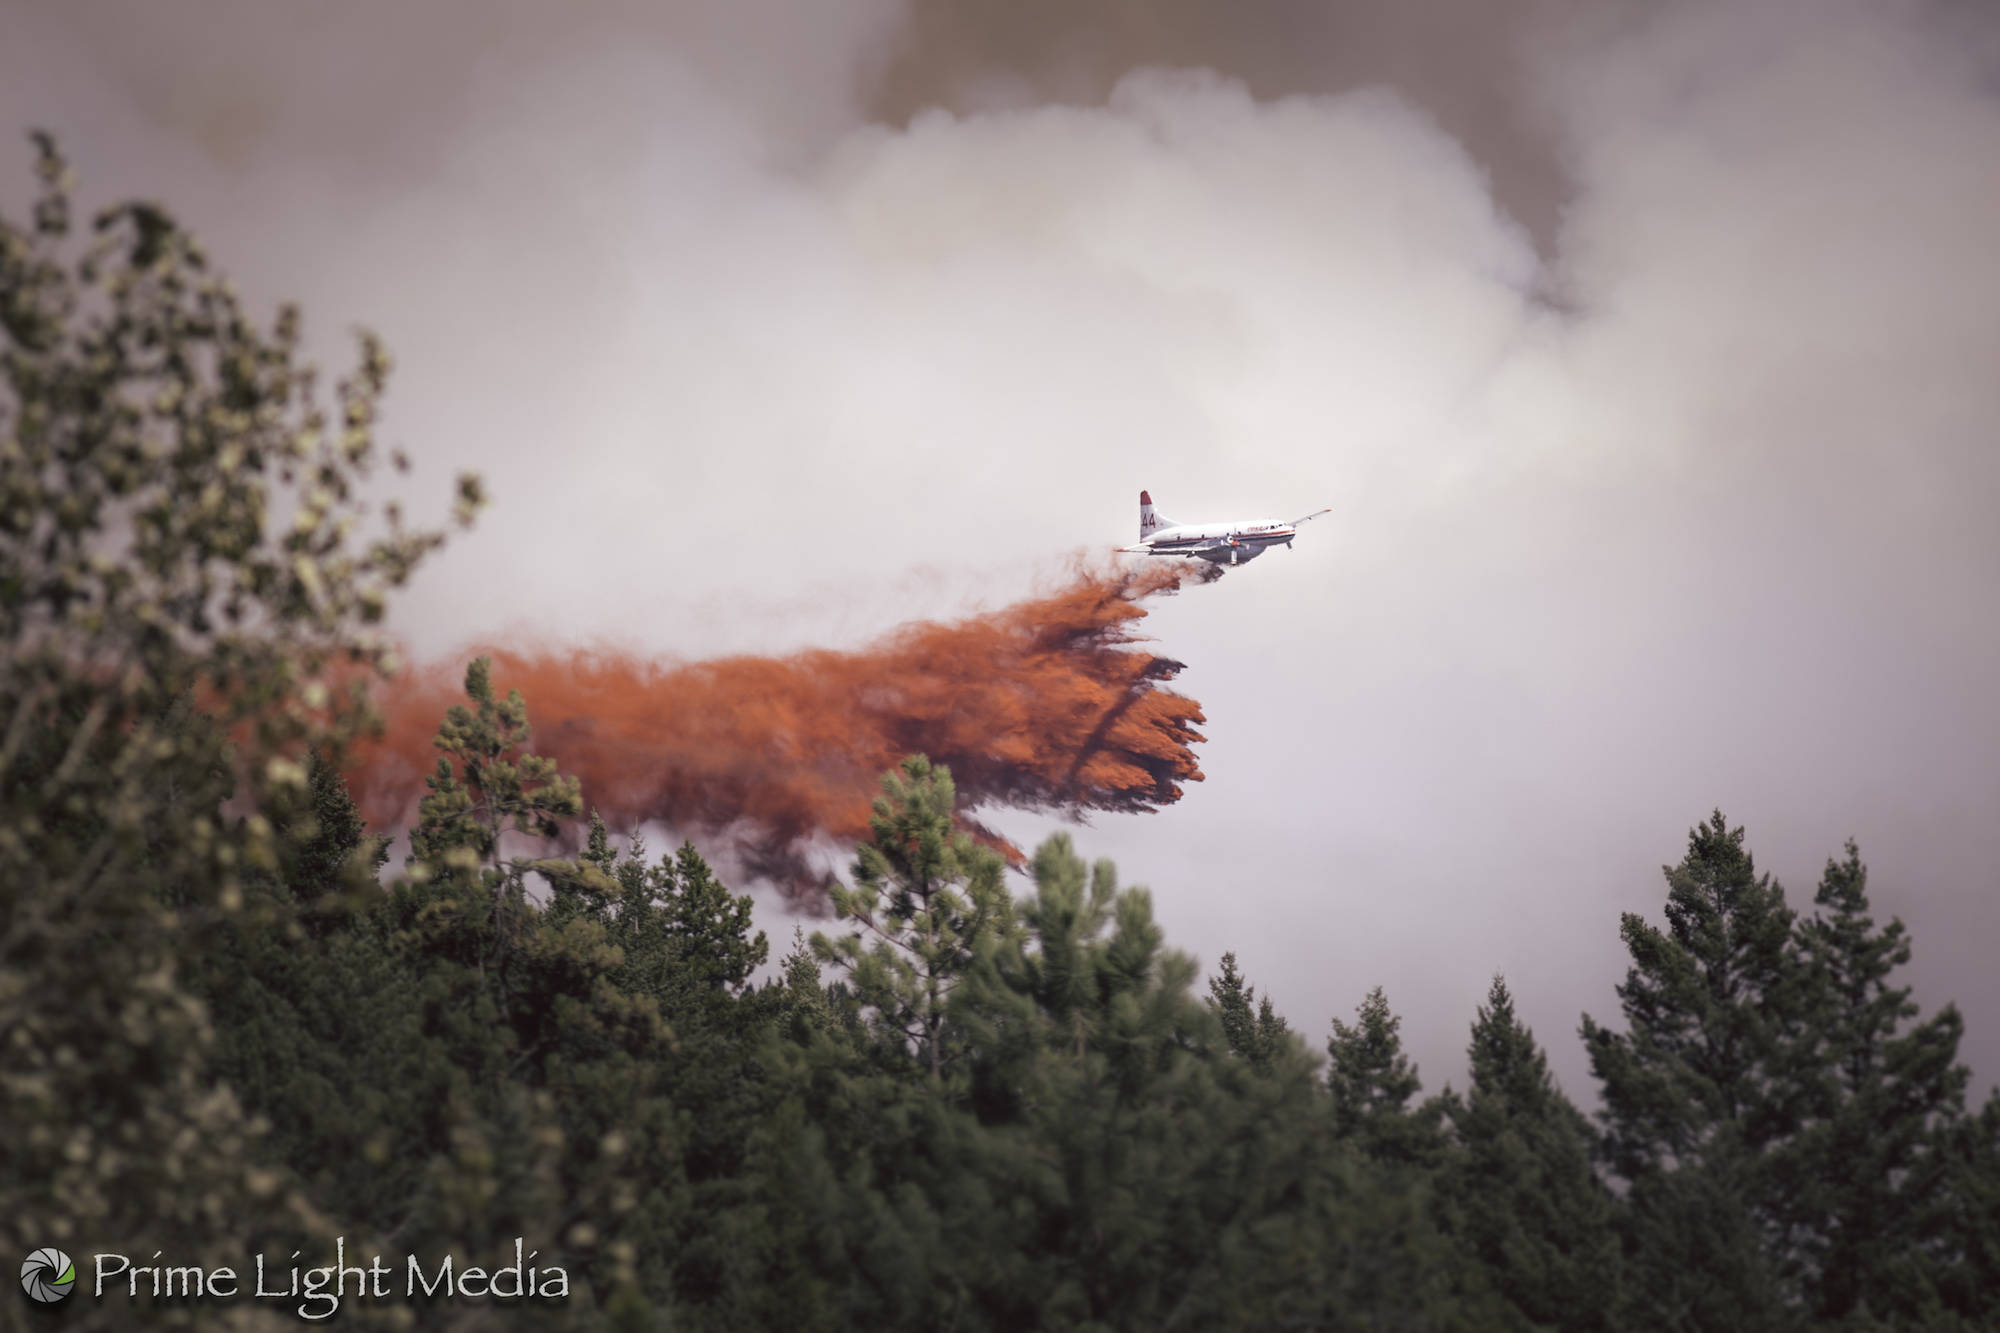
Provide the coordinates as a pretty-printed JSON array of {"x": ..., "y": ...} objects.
[
  {"x": 1707, "y": 1085},
  {"x": 1372, "y": 1083},
  {"x": 1517, "y": 1187},
  {"x": 1250, "y": 1024},
  {"x": 926, "y": 899},
  {"x": 1869, "y": 1176}
]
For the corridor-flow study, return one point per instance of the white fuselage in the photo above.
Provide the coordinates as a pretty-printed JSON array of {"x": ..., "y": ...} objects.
[{"x": 1225, "y": 543}]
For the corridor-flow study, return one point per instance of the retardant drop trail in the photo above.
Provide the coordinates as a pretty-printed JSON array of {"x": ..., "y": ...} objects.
[{"x": 1042, "y": 705}]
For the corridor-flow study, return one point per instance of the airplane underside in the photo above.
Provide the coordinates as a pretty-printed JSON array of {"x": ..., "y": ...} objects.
[{"x": 1231, "y": 555}]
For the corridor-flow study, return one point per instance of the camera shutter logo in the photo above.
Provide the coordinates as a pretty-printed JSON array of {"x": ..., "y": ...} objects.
[{"x": 47, "y": 1276}]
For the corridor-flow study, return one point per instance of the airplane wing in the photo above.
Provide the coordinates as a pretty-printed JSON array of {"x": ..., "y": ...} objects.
[{"x": 1314, "y": 514}]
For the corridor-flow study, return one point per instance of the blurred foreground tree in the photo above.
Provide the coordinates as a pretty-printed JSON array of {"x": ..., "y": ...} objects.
[{"x": 173, "y": 649}]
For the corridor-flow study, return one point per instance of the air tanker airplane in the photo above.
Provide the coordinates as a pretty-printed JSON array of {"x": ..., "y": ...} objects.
[{"x": 1223, "y": 543}]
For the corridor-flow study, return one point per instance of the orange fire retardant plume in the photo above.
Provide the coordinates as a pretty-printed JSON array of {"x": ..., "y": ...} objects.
[{"x": 1041, "y": 705}]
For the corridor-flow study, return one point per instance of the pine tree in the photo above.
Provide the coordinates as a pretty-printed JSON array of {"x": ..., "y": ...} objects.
[
  {"x": 331, "y": 863},
  {"x": 1517, "y": 1185},
  {"x": 317, "y": 1019},
  {"x": 468, "y": 898},
  {"x": 683, "y": 944},
  {"x": 710, "y": 927},
  {"x": 1970, "y": 1244},
  {"x": 1372, "y": 1082},
  {"x": 590, "y": 894},
  {"x": 926, "y": 896},
  {"x": 1251, "y": 1027},
  {"x": 1711, "y": 1078},
  {"x": 1140, "y": 1169},
  {"x": 487, "y": 784},
  {"x": 685, "y": 937},
  {"x": 559, "y": 1124},
  {"x": 803, "y": 1008},
  {"x": 1868, "y": 1176}
]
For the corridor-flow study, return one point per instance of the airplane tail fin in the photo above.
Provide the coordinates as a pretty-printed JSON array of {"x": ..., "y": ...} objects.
[{"x": 1151, "y": 520}]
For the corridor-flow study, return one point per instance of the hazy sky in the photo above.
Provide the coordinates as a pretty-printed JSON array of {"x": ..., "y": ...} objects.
[{"x": 1649, "y": 356}]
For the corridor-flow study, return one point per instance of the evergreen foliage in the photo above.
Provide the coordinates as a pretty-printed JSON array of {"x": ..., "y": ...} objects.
[
  {"x": 1250, "y": 1026},
  {"x": 1869, "y": 1173},
  {"x": 1517, "y": 1184},
  {"x": 1703, "y": 1092},
  {"x": 1970, "y": 1252},
  {"x": 1371, "y": 1082},
  {"x": 925, "y": 901}
]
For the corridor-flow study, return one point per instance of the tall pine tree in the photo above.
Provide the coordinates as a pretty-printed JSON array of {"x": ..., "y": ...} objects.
[
  {"x": 1517, "y": 1186},
  {"x": 1250, "y": 1025},
  {"x": 926, "y": 897},
  {"x": 557, "y": 1123},
  {"x": 1138, "y": 1173},
  {"x": 1710, "y": 1079},
  {"x": 1372, "y": 1083},
  {"x": 1869, "y": 1176}
]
